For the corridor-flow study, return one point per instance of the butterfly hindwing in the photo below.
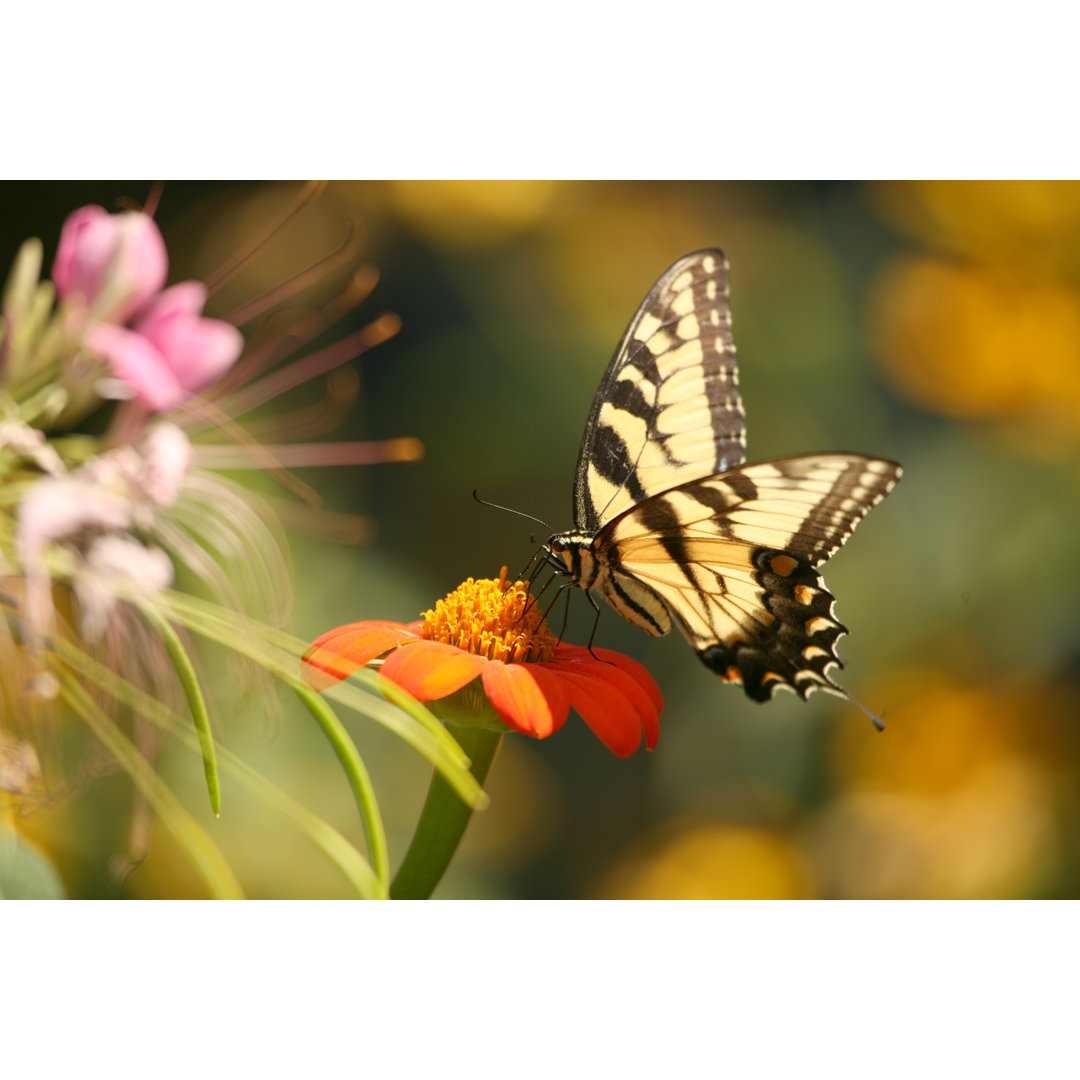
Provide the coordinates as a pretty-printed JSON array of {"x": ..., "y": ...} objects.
[
  {"x": 733, "y": 559},
  {"x": 668, "y": 408}
]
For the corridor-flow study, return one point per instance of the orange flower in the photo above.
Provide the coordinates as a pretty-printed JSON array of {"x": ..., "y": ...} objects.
[{"x": 493, "y": 630}]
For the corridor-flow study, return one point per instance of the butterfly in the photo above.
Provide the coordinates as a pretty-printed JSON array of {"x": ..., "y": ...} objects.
[{"x": 670, "y": 526}]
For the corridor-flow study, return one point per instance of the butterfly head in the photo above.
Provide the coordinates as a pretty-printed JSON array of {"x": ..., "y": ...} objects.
[{"x": 571, "y": 553}]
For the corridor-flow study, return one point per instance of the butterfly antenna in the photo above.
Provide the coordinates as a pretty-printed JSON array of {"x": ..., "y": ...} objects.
[{"x": 520, "y": 513}]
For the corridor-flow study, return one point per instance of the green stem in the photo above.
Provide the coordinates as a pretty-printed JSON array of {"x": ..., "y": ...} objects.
[
  {"x": 185, "y": 672},
  {"x": 443, "y": 820},
  {"x": 358, "y": 778}
]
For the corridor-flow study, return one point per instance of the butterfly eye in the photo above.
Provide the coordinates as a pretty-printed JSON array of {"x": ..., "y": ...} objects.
[{"x": 556, "y": 547}]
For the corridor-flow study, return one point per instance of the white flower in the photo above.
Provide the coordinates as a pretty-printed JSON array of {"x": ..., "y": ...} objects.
[
  {"x": 56, "y": 508},
  {"x": 167, "y": 459},
  {"x": 28, "y": 442},
  {"x": 107, "y": 497},
  {"x": 116, "y": 567}
]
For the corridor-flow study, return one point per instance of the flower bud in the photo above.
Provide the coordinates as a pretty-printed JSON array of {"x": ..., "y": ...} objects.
[{"x": 115, "y": 262}]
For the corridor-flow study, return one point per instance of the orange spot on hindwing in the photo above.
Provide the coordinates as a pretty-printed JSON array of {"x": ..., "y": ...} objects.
[{"x": 783, "y": 564}]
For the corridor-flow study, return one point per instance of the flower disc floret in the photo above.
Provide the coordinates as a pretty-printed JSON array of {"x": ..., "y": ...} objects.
[{"x": 492, "y": 619}]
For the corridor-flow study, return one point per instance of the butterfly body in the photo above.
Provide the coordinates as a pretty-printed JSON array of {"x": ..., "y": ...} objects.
[{"x": 670, "y": 526}]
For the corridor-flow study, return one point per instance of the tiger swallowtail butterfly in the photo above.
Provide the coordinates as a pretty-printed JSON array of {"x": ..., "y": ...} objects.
[{"x": 671, "y": 526}]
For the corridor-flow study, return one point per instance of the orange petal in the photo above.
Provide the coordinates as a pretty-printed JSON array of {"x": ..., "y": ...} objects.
[
  {"x": 526, "y": 697},
  {"x": 631, "y": 689},
  {"x": 335, "y": 655},
  {"x": 609, "y": 714},
  {"x": 638, "y": 672},
  {"x": 430, "y": 669}
]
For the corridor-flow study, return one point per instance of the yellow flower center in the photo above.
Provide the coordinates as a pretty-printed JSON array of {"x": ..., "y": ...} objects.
[{"x": 493, "y": 619}]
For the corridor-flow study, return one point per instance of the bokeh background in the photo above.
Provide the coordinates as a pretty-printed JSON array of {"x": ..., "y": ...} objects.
[{"x": 934, "y": 323}]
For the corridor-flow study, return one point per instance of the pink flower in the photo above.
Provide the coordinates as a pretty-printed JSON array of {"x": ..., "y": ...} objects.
[
  {"x": 115, "y": 262},
  {"x": 171, "y": 352}
]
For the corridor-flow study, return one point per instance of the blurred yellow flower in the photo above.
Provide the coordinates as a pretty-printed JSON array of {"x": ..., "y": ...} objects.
[
  {"x": 1034, "y": 222},
  {"x": 960, "y": 798},
  {"x": 997, "y": 335},
  {"x": 978, "y": 343},
  {"x": 599, "y": 258},
  {"x": 995, "y": 838},
  {"x": 470, "y": 213},
  {"x": 946, "y": 732},
  {"x": 707, "y": 861}
]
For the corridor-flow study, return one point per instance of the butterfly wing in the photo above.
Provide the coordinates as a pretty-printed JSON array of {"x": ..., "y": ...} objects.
[
  {"x": 732, "y": 557},
  {"x": 668, "y": 408}
]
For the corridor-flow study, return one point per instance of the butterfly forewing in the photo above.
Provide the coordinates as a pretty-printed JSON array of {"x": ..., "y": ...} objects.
[
  {"x": 807, "y": 505},
  {"x": 668, "y": 408}
]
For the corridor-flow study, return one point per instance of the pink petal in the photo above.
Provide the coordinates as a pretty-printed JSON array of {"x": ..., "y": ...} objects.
[
  {"x": 138, "y": 363},
  {"x": 526, "y": 697},
  {"x": 123, "y": 253},
  {"x": 198, "y": 350},
  {"x": 430, "y": 670},
  {"x": 82, "y": 254},
  {"x": 186, "y": 299},
  {"x": 144, "y": 261},
  {"x": 115, "y": 566}
]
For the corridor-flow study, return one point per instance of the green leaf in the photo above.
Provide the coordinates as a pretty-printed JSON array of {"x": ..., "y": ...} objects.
[
  {"x": 25, "y": 873},
  {"x": 185, "y": 672}
]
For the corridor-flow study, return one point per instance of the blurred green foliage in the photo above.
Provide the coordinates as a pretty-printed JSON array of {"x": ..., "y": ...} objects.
[{"x": 934, "y": 324}]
